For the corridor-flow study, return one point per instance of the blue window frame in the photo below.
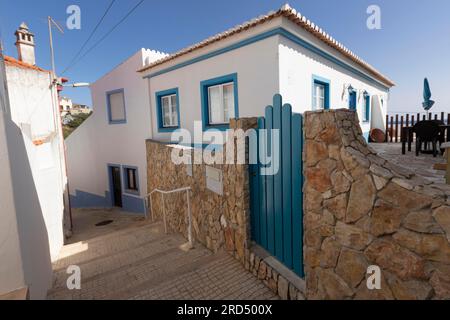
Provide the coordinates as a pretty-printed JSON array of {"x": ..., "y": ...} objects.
[
  {"x": 366, "y": 114},
  {"x": 115, "y": 104},
  {"x": 168, "y": 110},
  {"x": 352, "y": 100},
  {"x": 219, "y": 98},
  {"x": 130, "y": 179},
  {"x": 320, "y": 93}
]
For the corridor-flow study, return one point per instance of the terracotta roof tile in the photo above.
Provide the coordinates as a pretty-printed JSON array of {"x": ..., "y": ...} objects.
[
  {"x": 10, "y": 61},
  {"x": 292, "y": 15}
]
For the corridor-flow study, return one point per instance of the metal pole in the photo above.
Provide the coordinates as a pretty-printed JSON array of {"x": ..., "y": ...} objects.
[
  {"x": 191, "y": 242},
  {"x": 51, "y": 45},
  {"x": 164, "y": 213}
]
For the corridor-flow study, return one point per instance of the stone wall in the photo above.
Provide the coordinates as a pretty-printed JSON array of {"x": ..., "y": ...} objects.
[
  {"x": 219, "y": 221},
  {"x": 361, "y": 210}
]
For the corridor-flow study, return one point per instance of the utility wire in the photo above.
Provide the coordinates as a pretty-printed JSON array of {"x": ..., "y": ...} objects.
[
  {"x": 108, "y": 33},
  {"x": 90, "y": 36}
]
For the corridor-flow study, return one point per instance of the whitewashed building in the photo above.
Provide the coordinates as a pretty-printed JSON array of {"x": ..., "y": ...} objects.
[
  {"x": 281, "y": 52},
  {"x": 110, "y": 145},
  {"x": 232, "y": 74},
  {"x": 32, "y": 214}
]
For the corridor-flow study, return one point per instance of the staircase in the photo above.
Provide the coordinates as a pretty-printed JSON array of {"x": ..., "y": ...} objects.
[{"x": 142, "y": 262}]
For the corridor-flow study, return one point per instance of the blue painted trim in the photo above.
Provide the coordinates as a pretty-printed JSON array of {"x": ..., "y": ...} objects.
[
  {"x": 133, "y": 204},
  {"x": 367, "y": 108},
  {"x": 277, "y": 31},
  {"x": 110, "y": 182},
  {"x": 158, "y": 96},
  {"x": 326, "y": 84},
  {"x": 108, "y": 107},
  {"x": 83, "y": 199},
  {"x": 125, "y": 180},
  {"x": 204, "y": 85}
]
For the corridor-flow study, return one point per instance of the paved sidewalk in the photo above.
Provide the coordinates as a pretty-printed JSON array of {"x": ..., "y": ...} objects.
[{"x": 133, "y": 259}]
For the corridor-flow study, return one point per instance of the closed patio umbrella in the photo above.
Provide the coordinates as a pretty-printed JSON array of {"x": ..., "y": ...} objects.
[{"x": 427, "y": 102}]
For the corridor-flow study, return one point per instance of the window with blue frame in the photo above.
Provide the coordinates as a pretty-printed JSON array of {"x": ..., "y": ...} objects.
[
  {"x": 321, "y": 93},
  {"x": 366, "y": 113},
  {"x": 168, "y": 110},
  {"x": 219, "y": 101},
  {"x": 352, "y": 100},
  {"x": 115, "y": 102},
  {"x": 131, "y": 179}
]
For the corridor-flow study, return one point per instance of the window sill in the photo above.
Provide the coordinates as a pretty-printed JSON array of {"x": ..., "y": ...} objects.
[
  {"x": 117, "y": 121},
  {"x": 131, "y": 192},
  {"x": 221, "y": 127},
  {"x": 168, "y": 129}
]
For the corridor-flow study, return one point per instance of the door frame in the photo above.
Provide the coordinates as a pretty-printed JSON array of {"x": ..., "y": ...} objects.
[{"x": 110, "y": 166}]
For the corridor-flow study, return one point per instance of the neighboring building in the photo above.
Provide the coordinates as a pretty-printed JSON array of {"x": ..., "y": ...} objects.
[
  {"x": 111, "y": 142},
  {"x": 233, "y": 74},
  {"x": 33, "y": 210},
  {"x": 65, "y": 104},
  {"x": 80, "y": 109}
]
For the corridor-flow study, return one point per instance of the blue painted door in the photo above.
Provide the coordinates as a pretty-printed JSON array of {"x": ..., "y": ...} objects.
[
  {"x": 352, "y": 100},
  {"x": 276, "y": 190}
]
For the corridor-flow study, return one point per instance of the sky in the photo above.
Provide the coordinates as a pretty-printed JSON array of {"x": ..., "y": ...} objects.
[{"x": 413, "y": 42}]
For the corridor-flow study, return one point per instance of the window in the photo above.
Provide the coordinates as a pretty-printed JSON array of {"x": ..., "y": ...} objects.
[
  {"x": 168, "y": 112},
  {"x": 366, "y": 115},
  {"x": 321, "y": 93},
  {"x": 116, "y": 106},
  {"x": 219, "y": 101},
  {"x": 319, "y": 96},
  {"x": 131, "y": 179}
]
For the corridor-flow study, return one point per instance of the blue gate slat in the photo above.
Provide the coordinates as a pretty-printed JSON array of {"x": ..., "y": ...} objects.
[
  {"x": 277, "y": 199},
  {"x": 278, "y": 180},
  {"x": 254, "y": 195},
  {"x": 297, "y": 195},
  {"x": 269, "y": 185},
  {"x": 262, "y": 188},
  {"x": 287, "y": 184}
]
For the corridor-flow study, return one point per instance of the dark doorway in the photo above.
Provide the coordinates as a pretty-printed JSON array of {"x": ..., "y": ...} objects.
[{"x": 116, "y": 185}]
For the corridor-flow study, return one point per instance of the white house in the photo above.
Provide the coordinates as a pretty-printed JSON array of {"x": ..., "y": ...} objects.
[
  {"x": 281, "y": 52},
  {"x": 110, "y": 145},
  {"x": 33, "y": 176},
  {"x": 232, "y": 74}
]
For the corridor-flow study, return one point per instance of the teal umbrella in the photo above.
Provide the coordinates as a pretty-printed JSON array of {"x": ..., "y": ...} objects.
[{"x": 427, "y": 102}]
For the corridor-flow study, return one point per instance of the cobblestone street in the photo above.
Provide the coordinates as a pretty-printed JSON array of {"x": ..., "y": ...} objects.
[{"x": 133, "y": 259}]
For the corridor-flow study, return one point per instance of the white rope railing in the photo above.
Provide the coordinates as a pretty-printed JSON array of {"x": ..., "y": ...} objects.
[{"x": 164, "y": 192}]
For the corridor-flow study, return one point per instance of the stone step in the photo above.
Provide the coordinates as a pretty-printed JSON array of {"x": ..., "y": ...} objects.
[
  {"x": 131, "y": 275},
  {"x": 77, "y": 253},
  {"x": 110, "y": 261}
]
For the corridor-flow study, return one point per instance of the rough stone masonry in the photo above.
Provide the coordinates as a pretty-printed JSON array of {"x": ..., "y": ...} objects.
[{"x": 361, "y": 210}]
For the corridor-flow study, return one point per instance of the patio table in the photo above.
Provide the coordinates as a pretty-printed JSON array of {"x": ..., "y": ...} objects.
[{"x": 408, "y": 132}]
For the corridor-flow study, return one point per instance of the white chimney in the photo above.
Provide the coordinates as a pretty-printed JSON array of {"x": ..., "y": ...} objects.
[{"x": 25, "y": 44}]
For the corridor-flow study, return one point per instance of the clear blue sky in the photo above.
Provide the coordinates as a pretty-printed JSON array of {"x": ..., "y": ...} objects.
[{"x": 414, "y": 41}]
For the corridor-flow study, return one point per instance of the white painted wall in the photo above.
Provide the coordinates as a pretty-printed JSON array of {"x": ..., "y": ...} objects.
[
  {"x": 34, "y": 110},
  {"x": 257, "y": 76},
  {"x": 273, "y": 65},
  {"x": 97, "y": 143},
  {"x": 298, "y": 65},
  {"x": 24, "y": 250}
]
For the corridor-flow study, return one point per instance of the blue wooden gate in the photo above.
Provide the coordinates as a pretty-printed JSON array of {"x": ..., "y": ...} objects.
[{"x": 276, "y": 198}]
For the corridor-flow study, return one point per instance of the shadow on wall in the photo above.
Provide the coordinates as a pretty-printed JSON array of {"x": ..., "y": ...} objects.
[{"x": 33, "y": 235}]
